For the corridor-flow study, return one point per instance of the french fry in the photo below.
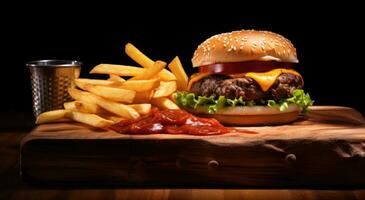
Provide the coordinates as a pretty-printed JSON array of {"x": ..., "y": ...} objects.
[
  {"x": 166, "y": 75},
  {"x": 101, "y": 103},
  {"x": 141, "y": 85},
  {"x": 81, "y": 95},
  {"x": 151, "y": 72},
  {"x": 138, "y": 56},
  {"x": 84, "y": 81},
  {"x": 142, "y": 109},
  {"x": 87, "y": 107},
  {"x": 113, "y": 107},
  {"x": 51, "y": 116},
  {"x": 164, "y": 103},
  {"x": 82, "y": 106},
  {"x": 118, "y": 108},
  {"x": 146, "y": 62},
  {"x": 143, "y": 97},
  {"x": 113, "y": 118},
  {"x": 90, "y": 119},
  {"x": 120, "y": 70},
  {"x": 71, "y": 106},
  {"x": 114, "y": 94},
  {"x": 116, "y": 78},
  {"x": 178, "y": 70},
  {"x": 165, "y": 89}
]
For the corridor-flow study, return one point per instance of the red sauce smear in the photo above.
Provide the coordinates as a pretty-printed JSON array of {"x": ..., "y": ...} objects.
[{"x": 173, "y": 122}]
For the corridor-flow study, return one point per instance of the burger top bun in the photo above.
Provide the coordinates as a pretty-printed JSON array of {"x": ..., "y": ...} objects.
[{"x": 244, "y": 45}]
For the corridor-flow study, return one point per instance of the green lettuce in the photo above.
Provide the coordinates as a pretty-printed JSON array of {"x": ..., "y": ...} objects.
[{"x": 212, "y": 105}]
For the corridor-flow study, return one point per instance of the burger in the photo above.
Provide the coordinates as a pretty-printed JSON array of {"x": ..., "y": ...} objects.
[{"x": 246, "y": 77}]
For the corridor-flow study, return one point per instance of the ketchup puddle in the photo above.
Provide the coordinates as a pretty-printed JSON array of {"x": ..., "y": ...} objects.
[{"x": 174, "y": 122}]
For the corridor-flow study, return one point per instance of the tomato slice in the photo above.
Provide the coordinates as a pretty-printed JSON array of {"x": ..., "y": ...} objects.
[{"x": 243, "y": 67}]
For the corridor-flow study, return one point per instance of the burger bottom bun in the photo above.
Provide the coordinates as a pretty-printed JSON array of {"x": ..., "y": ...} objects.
[{"x": 252, "y": 115}]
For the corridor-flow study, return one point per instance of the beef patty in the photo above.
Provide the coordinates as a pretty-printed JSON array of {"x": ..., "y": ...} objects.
[{"x": 221, "y": 85}]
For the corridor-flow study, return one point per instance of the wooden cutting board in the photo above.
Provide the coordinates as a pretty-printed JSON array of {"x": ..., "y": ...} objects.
[{"x": 325, "y": 148}]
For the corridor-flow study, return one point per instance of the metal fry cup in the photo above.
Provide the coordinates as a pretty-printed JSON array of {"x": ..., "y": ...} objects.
[{"x": 49, "y": 81}]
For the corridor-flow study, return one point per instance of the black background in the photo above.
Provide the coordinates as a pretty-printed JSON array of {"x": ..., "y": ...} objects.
[{"x": 328, "y": 38}]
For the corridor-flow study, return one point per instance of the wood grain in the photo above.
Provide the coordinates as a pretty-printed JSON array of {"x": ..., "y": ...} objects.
[
  {"x": 182, "y": 194},
  {"x": 325, "y": 148},
  {"x": 12, "y": 188}
]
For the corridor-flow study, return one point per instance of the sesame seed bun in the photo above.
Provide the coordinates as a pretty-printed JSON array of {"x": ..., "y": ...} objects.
[
  {"x": 251, "y": 115},
  {"x": 244, "y": 45}
]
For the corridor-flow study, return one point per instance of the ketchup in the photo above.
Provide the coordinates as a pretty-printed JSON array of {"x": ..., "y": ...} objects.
[{"x": 173, "y": 122}]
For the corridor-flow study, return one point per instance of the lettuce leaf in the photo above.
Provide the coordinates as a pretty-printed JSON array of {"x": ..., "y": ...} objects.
[{"x": 211, "y": 104}]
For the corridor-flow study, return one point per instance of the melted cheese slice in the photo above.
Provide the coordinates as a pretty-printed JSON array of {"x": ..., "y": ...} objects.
[
  {"x": 264, "y": 79},
  {"x": 196, "y": 77},
  {"x": 267, "y": 79}
]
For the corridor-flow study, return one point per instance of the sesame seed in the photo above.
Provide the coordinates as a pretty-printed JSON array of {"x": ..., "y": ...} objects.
[{"x": 252, "y": 51}]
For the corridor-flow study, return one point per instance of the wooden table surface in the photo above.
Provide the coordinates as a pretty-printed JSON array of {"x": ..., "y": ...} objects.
[{"x": 12, "y": 187}]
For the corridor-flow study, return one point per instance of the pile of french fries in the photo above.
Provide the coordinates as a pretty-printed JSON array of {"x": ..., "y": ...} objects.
[{"x": 101, "y": 103}]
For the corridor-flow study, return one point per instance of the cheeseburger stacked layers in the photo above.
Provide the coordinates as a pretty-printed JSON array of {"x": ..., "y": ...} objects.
[{"x": 246, "y": 78}]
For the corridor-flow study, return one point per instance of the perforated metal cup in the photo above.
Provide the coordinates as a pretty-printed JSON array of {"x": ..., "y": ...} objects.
[{"x": 49, "y": 81}]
